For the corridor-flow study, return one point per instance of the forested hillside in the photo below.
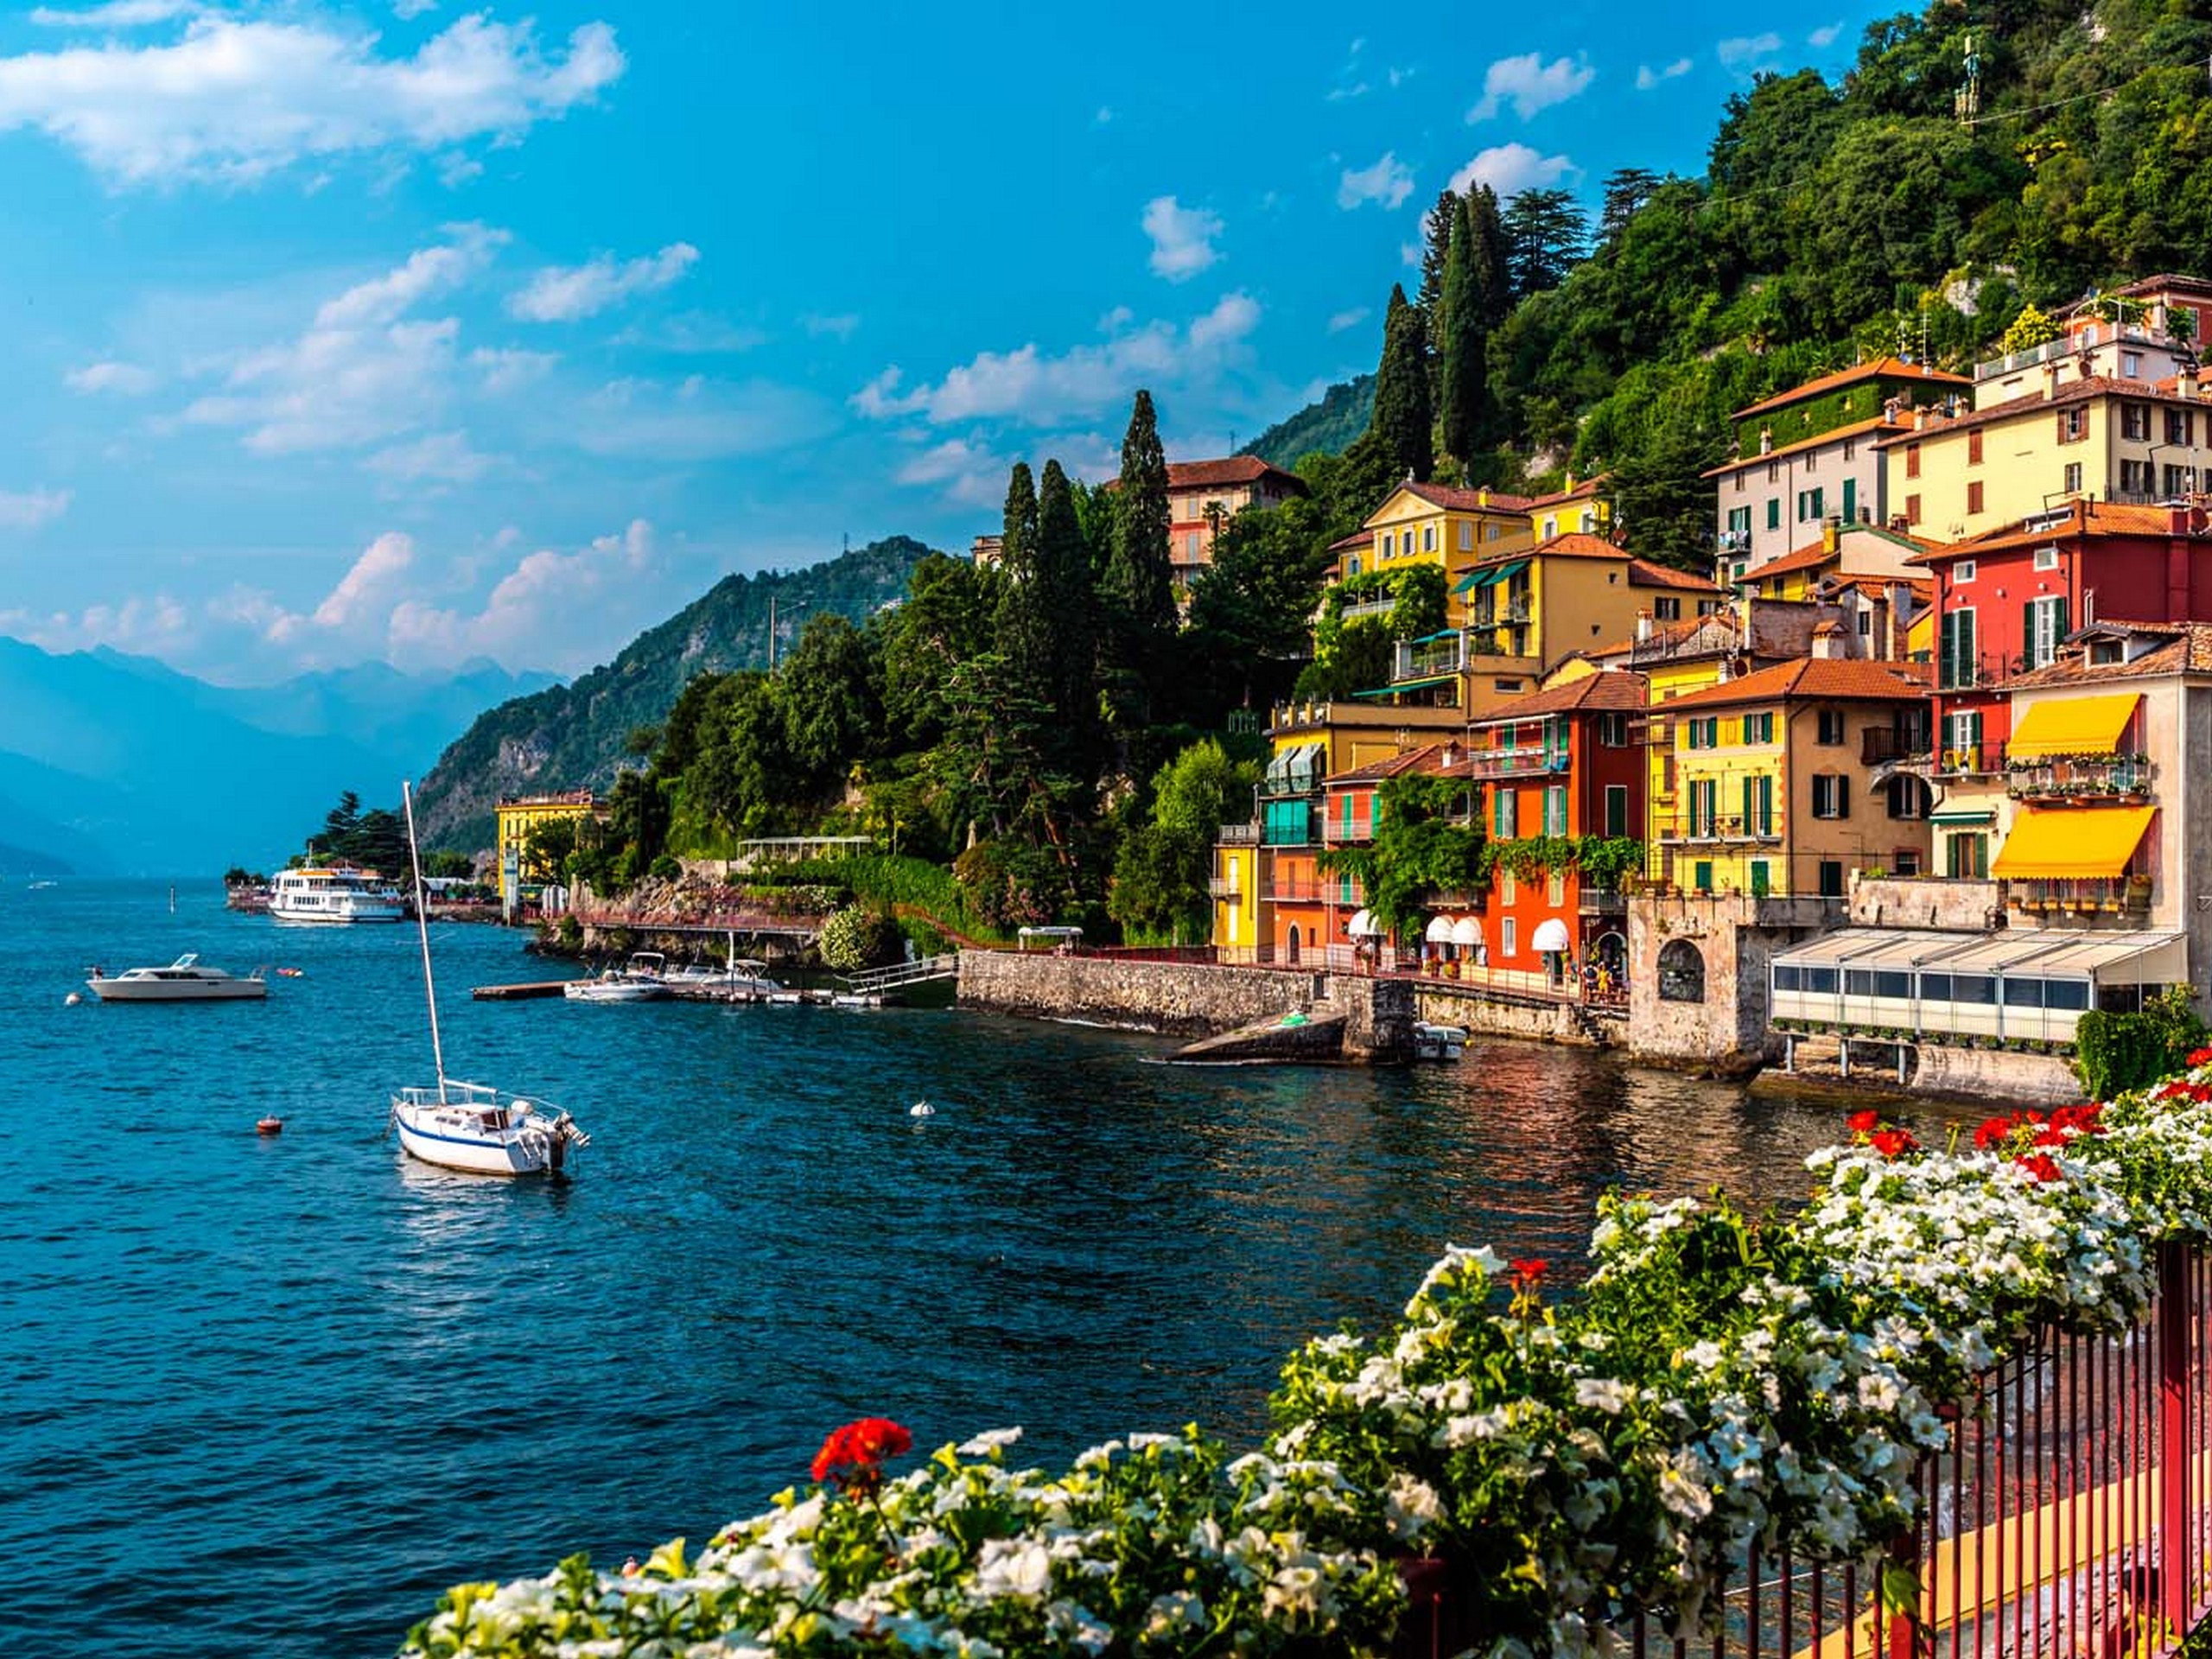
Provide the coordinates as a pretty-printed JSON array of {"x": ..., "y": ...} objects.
[
  {"x": 1329, "y": 426},
  {"x": 574, "y": 736}
]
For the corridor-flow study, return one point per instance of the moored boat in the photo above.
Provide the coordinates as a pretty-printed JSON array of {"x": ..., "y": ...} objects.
[
  {"x": 339, "y": 893},
  {"x": 186, "y": 980},
  {"x": 642, "y": 981}
]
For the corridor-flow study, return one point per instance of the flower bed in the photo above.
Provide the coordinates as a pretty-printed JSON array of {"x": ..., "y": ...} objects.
[{"x": 1723, "y": 1380}]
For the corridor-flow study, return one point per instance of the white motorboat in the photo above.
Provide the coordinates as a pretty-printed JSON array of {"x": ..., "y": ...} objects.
[
  {"x": 473, "y": 1126},
  {"x": 643, "y": 981},
  {"x": 341, "y": 894},
  {"x": 185, "y": 980},
  {"x": 1434, "y": 1042}
]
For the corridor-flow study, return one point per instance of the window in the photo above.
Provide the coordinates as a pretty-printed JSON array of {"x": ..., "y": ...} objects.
[
  {"x": 1850, "y": 500},
  {"x": 2045, "y": 625},
  {"x": 1905, "y": 800},
  {"x": 1962, "y": 741},
  {"x": 2135, "y": 477},
  {"x": 1912, "y": 509},
  {"x": 1190, "y": 544},
  {"x": 1865, "y": 625},
  {"x": 1384, "y": 550},
  {"x": 1827, "y": 726},
  {"x": 1508, "y": 938},
  {"x": 1503, "y": 814},
  {"x": 1701, "y": 874},
  {"x": 1740, "y": 525},
  {"x": 2131, "y": 365},
  {"x": 1704, "y": 794},
  {"x": 1831, "y": 878},
  {"x": 1912, "y": 460},
  {"x": 1810, "y": 506},
  {"x": 2178, "y": 425},
  {"x": 1428, "y": 538},
  {"x": 2178, "y": 481},
  {"x": 1467, "y": 536},
  {"x": 1612, "y": 729},
  {"x": 1351, "y": 565},
  {"x": 1774, "y": 512},
  {"x": 1973, "y": 447},
  {"x": 1962, "y": 573},
  {"x": 1762, "y": 882},
  {"x": 1706, "y": 734},
  {"x": 2072, "y": 478},
  {"x": 1759, "y": 729},
  {"x": 1758, "y": 805},
  {"x": 1774, "y": 472},
  {"x": 1555, "y": 889},
  {"x": 1509, "y": 888},
  {"x": 2073, "y": 424},
  {"x": 1682, "y": 970},
  {"x": 1974, "y": 496},
  {"x": 1555, "y": 810},
  {"x": 1957, "y": 663},
  {"x": 1849, "y": 448},
  {"x": 1550, "y": 530},
  {"x": 1906, "y": 861},
  {"x": 1589, "y": 521},
  {"x": 2046, "y": 558},
  {"x": 1831, "y": 795},
  {"x": 1666, "y": 609},
  {"x": 1617, "y": 809}
]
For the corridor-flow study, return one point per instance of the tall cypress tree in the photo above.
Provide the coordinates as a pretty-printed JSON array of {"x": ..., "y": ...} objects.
[
  {"x": 1461, "y": 342},
  {"x": 1139, "y": 591},
  {"x": 1065, "y": 597},
  {"x": 1024, "y": 619},
  {"x": 1019, "y": 535},
  {"x": 1491, "y": 253},
  {"x": 1436, "y": 251},
  {"x": 1403, "y": 421}
]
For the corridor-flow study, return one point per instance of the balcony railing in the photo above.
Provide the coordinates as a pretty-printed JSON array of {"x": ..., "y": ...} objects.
[
  {"x": 1598, "y": 901},
  {"x": 2100, "y": 782},
  {"x": 1515, "y": 763},
  {"x": 1718, "y": 828},
  {"x": 1877, "y": 747},
  {"x": 1367, "y": 607},
  {"x": 1226, "y": 887},
  {"x": 1340, "y": 830},
  {"x": 2127, "y": 895},
  {"x": 1969, "y": 761},
  {"x": 1426, "y": 659},
  {"x": 1331, "y": 891},
  {"x": 1239, "y": 834}
]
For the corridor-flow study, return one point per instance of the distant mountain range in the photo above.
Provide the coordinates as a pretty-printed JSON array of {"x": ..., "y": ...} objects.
[
  {"x": 574, "y": 736},
  {"x": 119, "y": 763},
  {"x": 1330, "y": 425}
]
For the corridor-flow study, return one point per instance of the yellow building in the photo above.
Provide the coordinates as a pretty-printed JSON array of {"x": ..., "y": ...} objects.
[
  {"x": 1429, "y": 524},
  {"x": 1577, "y": 507},
  {"x": 519, "y": 815},
  {"x": 1772, "y": 792}
]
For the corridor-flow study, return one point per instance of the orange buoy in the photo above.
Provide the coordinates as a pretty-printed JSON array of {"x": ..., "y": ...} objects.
[{"x": 269, "y": 1126}]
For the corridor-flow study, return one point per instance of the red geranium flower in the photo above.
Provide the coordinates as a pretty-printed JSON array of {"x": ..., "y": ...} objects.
[
  {"x": 2199, "y": 1057},
  {"x": 1993, "y": 1132},
  {"x": 1863, "y": 1122},
  {"x": 852, "y": 1457},
  {"x": 2042, "y": 1166},
  {"x": 1892, "y": 1143},
  {"x": 1526, "y": 1270}
]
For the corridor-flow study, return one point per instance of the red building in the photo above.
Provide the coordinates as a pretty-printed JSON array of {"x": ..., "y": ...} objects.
[
  {"x": 2006, "y": 599},
  {"x": 1562, "y": 762}
]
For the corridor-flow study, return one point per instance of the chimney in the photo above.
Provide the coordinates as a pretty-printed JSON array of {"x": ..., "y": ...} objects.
[
  {"x": 1766, "y": 441},
  {"x": 1483, "y": 499},
  {"x": 1643, "y": 627},
  {"x": 1890, "y": 407},
  {"x": 1831, "y": 529},
  {"x": 1897, "y": 522},
  {"x": 1827, "y": 641},
  {"x": 1919, "y": 416}
]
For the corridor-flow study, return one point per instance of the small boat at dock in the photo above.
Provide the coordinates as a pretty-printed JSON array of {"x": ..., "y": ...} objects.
[{"x": 644, "y": 980}]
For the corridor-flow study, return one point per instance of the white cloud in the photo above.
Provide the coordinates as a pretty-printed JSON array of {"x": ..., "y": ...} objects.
[
  {"x": 31, "y": 509},
  {"x": 1646, "y": 77},
  {"x": 1824, "y": 37},
  {"x": 1105, "y": 116},
  {"x": 238, "y": 98},
  {"x": 364, "y": 371},
  {"x": 1182, "y": 238},
  {"x": 570, "y": 293},
  {"x": 695, "y": 419},
  {"x": 1531, "y": 85},
  {"x": 435, "y": 458},
  {"x": 1345, "y": 94},
  {"x": 1389, "y": 182},
  {"x": 1351, "y": 319},
  {"x": 408, "y": 10},
  {"x": 971, "y": 473},
  {"x": 1741, "y": 51},
  {"x": 126, "y": 379},
  {"x": 507, "y": 369},
  {"x": 372, "y": 581},
  {"x": 1510, "y": 168},
  {"x": 839, "y": 326},
  {"x": 554, "y": 607},
  {"x": 1039, "y": 388},
  {"x": 116, "y": 13}
]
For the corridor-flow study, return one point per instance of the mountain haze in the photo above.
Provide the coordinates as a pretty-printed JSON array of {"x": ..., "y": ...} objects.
[{"x": 574, "y": 736}]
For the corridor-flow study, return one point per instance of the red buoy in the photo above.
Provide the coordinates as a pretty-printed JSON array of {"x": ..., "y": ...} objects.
[{"x": 269, "y": 1126}]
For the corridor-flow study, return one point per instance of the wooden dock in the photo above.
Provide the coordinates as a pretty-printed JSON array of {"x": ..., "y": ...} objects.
[{"x": 519, "y": 993}]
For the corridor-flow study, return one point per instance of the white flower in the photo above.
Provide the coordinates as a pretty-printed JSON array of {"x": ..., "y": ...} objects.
[
  {"x": 1017, "y": 1568},
  {"x": 1605, "y": 1394},
  {"x": 990, "y": 1440}
]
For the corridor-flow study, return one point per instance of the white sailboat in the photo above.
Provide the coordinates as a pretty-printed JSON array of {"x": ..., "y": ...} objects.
[{"x": 473, "y": 1126}]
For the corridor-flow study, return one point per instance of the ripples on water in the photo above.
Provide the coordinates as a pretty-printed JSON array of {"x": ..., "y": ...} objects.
[{"x": 271, "y": 1396}]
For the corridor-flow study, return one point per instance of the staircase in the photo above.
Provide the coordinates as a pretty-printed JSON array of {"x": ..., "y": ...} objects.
[{"x": 873, "y": 981}]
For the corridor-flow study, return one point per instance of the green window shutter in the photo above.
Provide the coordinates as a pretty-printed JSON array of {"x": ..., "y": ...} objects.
[{"x": 1851, "y": 500}]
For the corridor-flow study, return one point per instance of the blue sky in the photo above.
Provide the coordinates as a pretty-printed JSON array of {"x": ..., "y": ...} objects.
[{"x": 347, "y": 331}]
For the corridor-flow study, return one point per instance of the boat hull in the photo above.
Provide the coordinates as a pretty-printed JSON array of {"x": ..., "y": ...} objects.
[
  {"x": 453, "y": 1137},
  {"x": 229, "y": 990},
  {"x": 323, "y": 918}
]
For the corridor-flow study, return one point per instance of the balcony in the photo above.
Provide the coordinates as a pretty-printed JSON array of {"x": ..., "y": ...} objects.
[
  {"x": 1423, "y": 659},
  {"x": 1722, "y": 831},
  {"x": 1601, "y": 901},
  {"x": 2102, "y": 780},
  {"x": 1238, "y": 835},
  {"x": 1226, "y": 887},
  {"x": 1368, "y": 607},
  {"x": 1877, "y": 747},
  {"x": 2119, "y": 895},
  {"x": 1340, "y": 832},
  {"x": 1330, "y": 891},
  {"x": 1515, "y": 763},
  {"x": 1972, "y": 760}
]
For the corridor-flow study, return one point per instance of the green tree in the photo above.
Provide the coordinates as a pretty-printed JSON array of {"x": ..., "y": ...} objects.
[
  {"x": 1137, "y": 594},
  {"x": 1162, "y": 869},
  {"x": 1018, "y": 528},
  {"x": 1428, "y": 840},
  {"x": 1462, "y": 333},
  {"x": 1065, "y": 671},
  {"x": 1545, "y": 234},
  {"x": 1252, "y": 608},
  {"x": 831, "y": 710},
  {"x": 1436, "y": 246},
  {"x": 1622, "y": 195},
  {"x": 1403, "y": 426}
]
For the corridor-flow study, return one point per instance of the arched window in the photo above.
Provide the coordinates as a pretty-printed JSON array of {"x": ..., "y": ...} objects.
[{"x": 1682, "y": 972}]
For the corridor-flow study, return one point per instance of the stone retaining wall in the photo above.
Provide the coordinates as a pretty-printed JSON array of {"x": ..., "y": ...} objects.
[
  {"x": 1490, "y": 1015},
  {"x": 2041, "y": 1080},
  {"x": 1180, "y": 999}
]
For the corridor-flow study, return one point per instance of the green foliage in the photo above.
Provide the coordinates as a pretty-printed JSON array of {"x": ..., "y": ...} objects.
[
  {"x": 2031, "y": 328},
  {"x": 1403, "y": 428},
  {"x": 1428, "y": 840},
  {"x": 2114, "y": 1053},
  {"x": 1604, "y": 861},
  {"x": 375, "y": 840},
  {"x": 1135, "y": 592},
  {"x": 1161, "y": 873},
  {"x": 1329, "y": 426},
  {"x": 854, "y": 938}
]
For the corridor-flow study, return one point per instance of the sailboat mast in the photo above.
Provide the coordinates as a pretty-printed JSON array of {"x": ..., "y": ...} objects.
[{"x": 423, "y": 931}]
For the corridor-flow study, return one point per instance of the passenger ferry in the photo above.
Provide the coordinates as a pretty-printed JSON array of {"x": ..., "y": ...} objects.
[{"x": 341, "y": 894}]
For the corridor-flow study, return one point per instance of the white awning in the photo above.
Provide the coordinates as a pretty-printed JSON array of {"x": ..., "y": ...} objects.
[
  {"x": 2110, "y": 958},
  {"x": 1360, "y": 922},
  {"x": 1440, "y": 930},
  {"x": 1466, "y": 931},
  {"x": 1550, "y": 936}
]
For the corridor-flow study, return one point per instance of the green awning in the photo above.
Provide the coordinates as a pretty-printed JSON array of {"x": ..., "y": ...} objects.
[
  {"x": 1964, "y": 815},
  {"x": 1510, "y": 569},
  {"x": 1472, "y": 580}
]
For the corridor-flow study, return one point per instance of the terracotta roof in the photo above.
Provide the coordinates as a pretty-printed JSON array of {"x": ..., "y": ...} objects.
[
  {"x": 2090, "y": 518},
  {"x": 1891, "y": 368},
  {"x": 1429, "y": 757},
  {"x": 1642, "y": 573},
  {"x": 1834, "y": 435},
  {"x": 1845, "y": 678},
  {"x": 2072, "y": 391},
  {"x": 1667, "y": 633},
  {"x": 2188, "y": 651},
  {"x": 1466, "y": 500},
  {"x": 1357, "y": 538},
  {"x": 1608, "y": 688},
  {"x": 1805, "y": 558},
  {"x": 2163, "y": 281},
  {"x": 1582, "y": 492},
  {"x": 1234, "y": 469}
]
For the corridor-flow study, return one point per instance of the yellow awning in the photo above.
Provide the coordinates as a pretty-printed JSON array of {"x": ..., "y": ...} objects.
[
  {"x": 2051, "y": 843},
  {"x": 2075, "y": 726}
]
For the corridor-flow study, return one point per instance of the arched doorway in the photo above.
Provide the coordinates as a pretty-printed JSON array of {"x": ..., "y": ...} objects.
[{"x": 1682, "y": 972}]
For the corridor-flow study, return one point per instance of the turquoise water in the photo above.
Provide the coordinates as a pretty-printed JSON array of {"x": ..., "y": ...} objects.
[{"x": 271, "y": 1396}]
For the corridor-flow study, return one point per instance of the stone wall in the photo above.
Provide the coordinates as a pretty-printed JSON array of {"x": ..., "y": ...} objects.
[
  {"x": 1731, "y": 939},
  {"x": 1490, "y": 1015},
  {"x": 1897, "y": 901},
  {"x": 1182, "y": 999},
  {"x": 1996, "y": 1075}
]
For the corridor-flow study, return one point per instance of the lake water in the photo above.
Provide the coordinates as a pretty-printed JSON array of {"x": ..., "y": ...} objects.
[{"x": 270, "y": 1396}]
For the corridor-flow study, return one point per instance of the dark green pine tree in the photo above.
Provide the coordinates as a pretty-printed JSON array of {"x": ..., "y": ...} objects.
[
  {"x": 1492, "y": 254},
  {"x": 1462, "y": 337},
  {"x": 1019, "y": 530},
  {"x": 1064, "y": 595},
  {"x": 1138, "y": 591},
  {"x": 1547, "y": 234},
  {"x": 1403, "y": 421},
  {"x": 1626, "y": 189},
  {"x": 1025, "y": 623},
  {"x": 1435, "y": 250}
]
